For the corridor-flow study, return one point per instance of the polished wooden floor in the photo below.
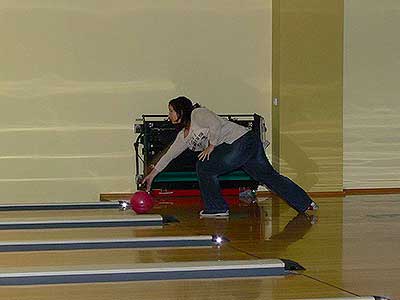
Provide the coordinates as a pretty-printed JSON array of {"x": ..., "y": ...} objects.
[{"x": 350, "y": 247}]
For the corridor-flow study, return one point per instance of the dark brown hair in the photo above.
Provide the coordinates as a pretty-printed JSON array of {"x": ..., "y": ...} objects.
[{"x": 183, "y": 107}]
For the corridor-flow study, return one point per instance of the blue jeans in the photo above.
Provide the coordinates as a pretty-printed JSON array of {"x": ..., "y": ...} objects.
[{"x": 247, "y": 153}]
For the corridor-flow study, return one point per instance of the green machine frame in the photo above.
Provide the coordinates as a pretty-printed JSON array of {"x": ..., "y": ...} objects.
[{"x": 156, "y": 133}]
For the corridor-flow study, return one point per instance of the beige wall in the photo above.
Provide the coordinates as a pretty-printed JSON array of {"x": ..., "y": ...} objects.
[
  {"x": 307, "y": 80},
  {"x": 371, "y": 94},
  {"x": 75, "y": 74}
]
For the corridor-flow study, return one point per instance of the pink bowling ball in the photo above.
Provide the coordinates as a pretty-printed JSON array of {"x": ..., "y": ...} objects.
[{"x": 141, "y": 202}]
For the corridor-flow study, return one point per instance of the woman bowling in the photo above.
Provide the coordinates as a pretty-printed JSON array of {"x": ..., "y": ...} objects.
[{"x": 224, "y": 146}]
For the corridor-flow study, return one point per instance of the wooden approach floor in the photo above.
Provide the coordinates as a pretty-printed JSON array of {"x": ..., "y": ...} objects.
[{"x": 350, "y": 247}]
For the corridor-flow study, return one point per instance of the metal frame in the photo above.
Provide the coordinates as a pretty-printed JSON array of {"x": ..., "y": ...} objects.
[
  {"x": 152, "y": 271},
  {"x": 136, "y": 220},
  {"x": 142, "y": 163},
  {"x": 139, "y": 242}
]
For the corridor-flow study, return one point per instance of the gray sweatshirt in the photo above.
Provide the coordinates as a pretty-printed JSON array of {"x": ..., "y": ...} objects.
[{"x": 205, "y": 128}]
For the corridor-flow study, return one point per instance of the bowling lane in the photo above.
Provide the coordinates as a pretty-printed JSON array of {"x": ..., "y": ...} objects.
[
  {"x": 191, "y": 225},
  {"x": 75, "y": 233},
  {"x": 110, "y": 258},
  {"x": 327, "y": 244},
  {"x": 188, "y": 215},
  {"x": 55, "y": 215}
]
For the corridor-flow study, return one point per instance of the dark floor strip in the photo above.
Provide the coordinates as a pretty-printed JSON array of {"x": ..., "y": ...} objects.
[
  {"x": 162, "y": 271},
  {"x": 154, "y": 242},
  {"x": 139, "y": 221},
  {"x": 60, "y": 206}
]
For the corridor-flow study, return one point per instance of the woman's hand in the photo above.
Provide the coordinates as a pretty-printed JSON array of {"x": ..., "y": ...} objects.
[
  {"x": 148, "y": 180},
  {"x": 205, "y": 154}
]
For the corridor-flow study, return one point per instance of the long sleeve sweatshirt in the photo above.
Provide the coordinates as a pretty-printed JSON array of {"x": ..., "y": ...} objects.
[{"x": 205, "y": 128}]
